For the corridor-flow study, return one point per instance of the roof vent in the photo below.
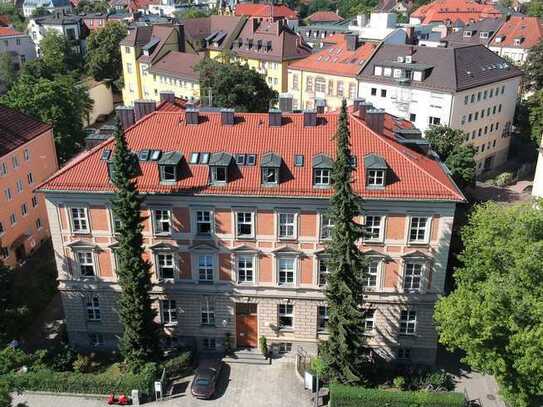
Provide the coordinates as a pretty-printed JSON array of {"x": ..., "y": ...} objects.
[
  {"x": 320, "y": 104},
  {"x": 310, "y": 118},
  {"x": 275, "y": 117},
  {"x": 285, "y": 102},
  {"x": 227, "y": 117},
  {"x": 192, "y": 116},
  {"x": 167, "y": 96},
  {"x": 375, "y": 119},
  {"x": 125, "y": 116},
  {"x": 143, "y": 107}
]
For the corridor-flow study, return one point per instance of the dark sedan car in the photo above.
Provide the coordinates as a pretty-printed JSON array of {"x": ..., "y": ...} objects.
[{"x": 205, "y": 381}]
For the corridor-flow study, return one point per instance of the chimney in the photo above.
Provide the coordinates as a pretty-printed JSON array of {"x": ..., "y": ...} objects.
[
  {"x": 375, "y": 119},
  {"x": 352, "y": 41},
  {"x": 227, "y": 117},
  {"x": 167, "y": 96},
  {"x": 280, "y": 25},
  {"x": 125, "y": 116},
  {"x": 356, "y": 105},
  {"x": 285, "y": 102},
  {"x": 143, "y": 107},
  {"x": 410, "y": 35},
  {"x": 310, "y": 118},
  {"x": 363, "y": 108},
  {"x": 192, "y": 116},
  {"x": 275, "y": 117}
]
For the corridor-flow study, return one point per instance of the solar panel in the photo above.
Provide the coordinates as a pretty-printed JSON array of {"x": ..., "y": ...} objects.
[
  {"x": 299, "y": 160},
  {"x": 251, "y": 159},
  {"x": 240, "y": 159},
  {"x": 106, "y": 154},
  {"x": 204, "y": 158},
  {"x": 144, "y": 155},
  {"x": 194, "y": 158},
  {"x": 155, "y": 155}
]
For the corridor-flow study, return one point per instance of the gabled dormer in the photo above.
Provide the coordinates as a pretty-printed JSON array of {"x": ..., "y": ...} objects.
[
  {"x": 376, "y": 169},
  {"x": 218, "y": 167},
  {"x": 169, "y": 165},
  {"x": 270, "y": 165},
  {"x": 322, "y": 171}
]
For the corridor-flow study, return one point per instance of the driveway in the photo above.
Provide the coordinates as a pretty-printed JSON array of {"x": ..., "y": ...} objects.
[{"x": 241, "y": 385}]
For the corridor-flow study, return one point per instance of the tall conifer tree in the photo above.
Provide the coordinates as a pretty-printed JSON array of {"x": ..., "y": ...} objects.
[
  {"x": 344, "y": 351},
  {"x": 139, "y": 343}
]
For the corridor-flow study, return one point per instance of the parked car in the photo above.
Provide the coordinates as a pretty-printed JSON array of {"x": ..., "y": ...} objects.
[{"x": 205, "y": 380}]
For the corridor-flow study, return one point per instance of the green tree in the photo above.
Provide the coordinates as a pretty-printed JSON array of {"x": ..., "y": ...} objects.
[
  {"x": 234, "y": 86},
  {"x": 40, "y": 11},
  {"x": 17, "y": 19},
  {"x": 139, "y": 343},
  {"x": 10, "y": 312},
  {"x": 351, "y": 8},
  {"x": 5, "y": 398},
  {"x": 60, "y": 101},
  {"x": 87, "y": 6},
  {"x": 344, "y": 350},
  {"x": 535, "y": 115},
  {"x": 533, "y": 68},
  {"x": 535, "y": 8},
  {"x": 8, "y": 73},
  {"x": 192, "y": 12},
  {"x": 57, "y": 55},
  {"x": 104, "y": 52},
  {"x": 449, "y": 145},
  {"x": 495, "y": 313}
]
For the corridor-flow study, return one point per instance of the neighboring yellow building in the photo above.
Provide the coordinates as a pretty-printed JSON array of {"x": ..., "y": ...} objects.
[
  {"x": 330, "y": 75},
  {"x": 102, "y": 97}
]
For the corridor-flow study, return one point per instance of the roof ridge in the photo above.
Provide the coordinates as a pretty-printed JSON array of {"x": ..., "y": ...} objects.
[{"x": 392, "y": 145}]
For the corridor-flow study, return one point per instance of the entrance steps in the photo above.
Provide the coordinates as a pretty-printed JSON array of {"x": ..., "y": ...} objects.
[{"x": 246, "y": 356}]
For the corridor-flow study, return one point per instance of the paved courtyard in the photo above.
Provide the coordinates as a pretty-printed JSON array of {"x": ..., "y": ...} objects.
[{"x": 241, "y": 385}]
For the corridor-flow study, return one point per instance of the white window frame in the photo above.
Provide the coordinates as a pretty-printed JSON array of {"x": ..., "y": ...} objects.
[
  {"x": 79, "y": 257},
  {"x": 285, "y": 311},
  {"x": 245, "y": 258},
  {"x": 381, "y": 229},
  {"x": 322, "y": 177},
  {"x": 377, "y": 262},
  {"x": 165, "y": 175},
  {"x": 169, "y": 311},
  {"x": 422, "y": 277},
  {"x": 322, "y": 317},
  {"x": 376, "y": 178},
  {"x": 266, "y": 171},
  {"x": 280, "y": 271},
  {"x": 325, "y": 226},
  {"x": 408, "y": 325},
  {"x": 206, "y": 267},
  {"x": 369, "y": 320},
  {"x": 92, "y": 305},
  {"x": 81, "y": 218},
  {"x": 214, "y": 178},
  {"x": 251, "y": 222},
  {"x": 427, "y": 230},
  {"x": 159, "y": 265},
  {"x": 207, "y": 309},
  {"x": 293, "y": 224},
  {"x": 322, "y": 264},
  {"x": 198, "y": 220},
  {"x": 158, "y": 224}
]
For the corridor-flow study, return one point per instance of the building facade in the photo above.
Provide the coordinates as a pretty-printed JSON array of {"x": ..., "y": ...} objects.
[
  {"x": 27, "y": 158},
  {"x": 29, "y": 6},
  {"x": 468, "y": 88},
  {"x": 18, "y": 45},
  {"x": 235, "y": 228}
]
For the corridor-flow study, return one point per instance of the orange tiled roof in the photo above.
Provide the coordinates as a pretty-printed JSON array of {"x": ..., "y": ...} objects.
[
  {"x": 336, "y": 59},
  {"x": 265, "y": 10},
  {"x": 324, "y": 17},
  {"x": 4, "y": 21},
  {"x": 416, "y": 176},
  {"x": 529, "y": 29},
  {"x": 8, "y": 32},
  {"x": 454, "y": 10}
]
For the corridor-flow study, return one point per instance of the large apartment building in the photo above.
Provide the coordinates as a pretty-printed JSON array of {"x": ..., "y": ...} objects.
[
  {"x": 466, "y": 87},
  {"x": 235, "y": 227},
  {"x": 27, "y": 158}
]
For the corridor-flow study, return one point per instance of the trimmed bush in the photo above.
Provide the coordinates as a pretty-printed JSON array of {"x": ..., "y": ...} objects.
[
  {"x": 178, "y": 365},
  {"x": 504, "y": 179},
  {"x": 347, "y": 396},
  {"x": 85, "y": 383}
]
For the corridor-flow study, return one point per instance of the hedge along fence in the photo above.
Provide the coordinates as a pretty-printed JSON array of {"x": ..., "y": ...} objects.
[
  {"x": 84, "y": 383},
  {"x": 347, "y": 396}
]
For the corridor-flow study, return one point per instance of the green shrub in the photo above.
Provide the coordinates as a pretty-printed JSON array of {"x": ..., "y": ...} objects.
[
  {"x": 347, "y": 396},
  {"x": 82, "y": 364},
  {"x": 399, "y": 382},
  {"x": 85, "y": 383},
  {"x": 264, "y": 345},
  {"x": 504, "y": 179},
  {"x": 433, "y": 381},
  {"x": 13, "y": 359},
  {"x": 178, "y": 365}
]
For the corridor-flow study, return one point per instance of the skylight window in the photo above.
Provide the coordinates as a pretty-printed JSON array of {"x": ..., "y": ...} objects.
[
  {"x": 251, "y": 159},
  {"x": 240, "y": 159},
  {"x": 194, "y": 158},
  {"x": 144, "y": 155},
  {"x": 106, "y": 154},
  {"x": 155, "y": 155},
  {"x": 204, "y": 158},
  {"x": 299, "y": 160}
]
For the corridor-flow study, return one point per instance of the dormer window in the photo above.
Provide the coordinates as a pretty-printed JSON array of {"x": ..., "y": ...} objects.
[
  {"x": 518, "y": 40},
  {"x": 322, "y": 170},
  {"x": 483, "y": 34},
  {"x": 169, "y": 166},
  {"x": 467, "y": 34},
  {"x": 376, "y": 170},
  {"x": 218, "y": 164},
  {"x": 270, "y": 165}
]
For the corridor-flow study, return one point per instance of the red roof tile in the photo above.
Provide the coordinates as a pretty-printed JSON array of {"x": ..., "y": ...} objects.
[
  {"x": 265, "y": 10},
  {"x": 336, "y": 59},
  {"x": 17, "y": 128},
  {"x": 454, "y": 10},
  {"x": 416, "y": 176},
  {"x": 8, "y": 32},
  {"x": 529, "y": 29},
  {"x": 324, "y": 17}
]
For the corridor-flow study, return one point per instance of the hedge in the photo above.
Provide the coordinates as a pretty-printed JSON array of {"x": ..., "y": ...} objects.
[
  {"x": 178, "y": 365},
  {"x": 85, "y": 383},
  {"x": 347, "y": 396}
]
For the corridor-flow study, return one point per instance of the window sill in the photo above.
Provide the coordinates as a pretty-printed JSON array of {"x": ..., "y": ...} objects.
[
  {"x": 286, "y": 329},
  {"x": 163, "y": 234},
  {"x": 246, "y": 283},
  {"x": 94, "y": 321},
  {"x": 208, "y": 326},
  {"x": 418, "y": 244},
  {"x": 203, "y": 236},
  {"x": 170, "y": 324},
  {"x": 373, "y": 242},
  {"x": 245, "y": 237},
  {"x": 287, "y": 239},
  {"x": 287, "y": 285},
  {"x": 413, "y": 335},
  {"x": 205, "y": 282}
]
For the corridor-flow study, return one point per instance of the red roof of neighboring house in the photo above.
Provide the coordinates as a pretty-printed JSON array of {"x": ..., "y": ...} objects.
[
  {"x": 528, "y": 29},
  {"x": 336, "y": 59},
  {"x": 454, "y": 10},
  {"x": 4, "y": 21},
  {"x": 265, "y": 10},
  {"x": 8, "y": 32},
  {"x": 416, "y": 176},
  {"x": 178, "y": 106},
  {"x": 324, "y": 17},
  {"x": 17, "y": 128}
]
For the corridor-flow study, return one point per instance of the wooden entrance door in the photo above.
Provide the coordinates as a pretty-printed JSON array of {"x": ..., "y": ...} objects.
[{"x": 246, "y": 326}]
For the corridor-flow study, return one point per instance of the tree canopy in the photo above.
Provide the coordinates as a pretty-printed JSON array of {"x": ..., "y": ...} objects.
[
  {"x": 191, "y": 12},
  {"x": 533, "y": 68},
  {"x": 495, "y": 313},
  {"x": 234, "y": 86},
  {"x": 104, "y": 52},
  {"x": 17, "y": 19},
  {"x": 535, "y": 116},
  {"x": 535, "y": 8},
  {"x": 88, "y": 6},
  {"x": 448, "y": 143},
  {"x": 57, "y": 54},
  {"x": 8, "y": 73}
]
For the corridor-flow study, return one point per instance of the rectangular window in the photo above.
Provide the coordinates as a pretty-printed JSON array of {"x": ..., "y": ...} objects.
[
  {"x": 369, "y": 321},
  {"x": 387, "y": 71},
  {"x": 309, "y": 84},
  {"x": 209, "y": 344},
  {"x": 1, "y": 229},
  {"x": 324, "y": 272},
  {"x": 374, "y": 91},
  {"x": 383, "y": 93},
  {"x": 168, "y": 173},
  {"x": 376, "y": 178},
  {"x": 287, "y": 226},
  {"x": 466, "y": 100},
  {"x": 12, "y": 219},
  {"x": 340, "y": 90},
  {"x": 404, "y": 353},
  {"x": 352, "y": 91},
  {"x": 96, "y": 339},
  {"x": 323, "y": 318},
  {"x": 295, "y": 81},
  {"x": 286, "y": 316},
  {"x": 129, "y": 67},
  {"x": 169, "y": 312},
  {"x": 26, "y": 154},
  {"x": 219, "y": 174},
  {"x": 166, "y": 268},
  {"x": 321, "y": 177},
  {"x": 418, "y": 230},
  {"x": 327, "y": 225},
  {"x": 330, "y": 88},
  {"x": 205, "y": 268},
  {"x": 7, "y": 194},
  {"x": 80, "y": 222},
  {"x": 86, "y": 264},
  {"x": 370, "y": 279},
  {"x": 3, "y": 169},
  {"x": 476, "y": 116},
  {"x": 208, "y": 311},
  {"x": 203, "y": 222},
  {"x": 245, "y": 269},
  {"x": 412, "y": 117},
  {"x": 34, "y": 201},
  {"x": 320, "y": 85},
  {"x": 270, "y": 176},
  {"x": 29, "y": 178},
  {"x": 408, "y": 322},
  {"x": 14, "y": 161},
  {"x": 24, "y": 210},
  {"x": 19, "y": 185},
  {"x": 374, "y": 228},
  {"x": 413, "y": 277},
  {"x": 434, "y": 121},
  {"x": 244, "y": 224},
  {"x": 286, "y": 271},
  {"x": 161, "y": 219},
  {"x": 38, "y": 224},
  {"x": 93, "y": 308}
]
